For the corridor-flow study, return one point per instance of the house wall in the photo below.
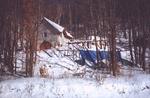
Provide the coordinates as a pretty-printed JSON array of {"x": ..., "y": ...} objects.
[{"x": 55, "y": 38}]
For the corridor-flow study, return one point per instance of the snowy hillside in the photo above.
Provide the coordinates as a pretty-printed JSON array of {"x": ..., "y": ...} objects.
[
  {"x": 74, "y": 48},
  {"x": 67, "y": 79}
]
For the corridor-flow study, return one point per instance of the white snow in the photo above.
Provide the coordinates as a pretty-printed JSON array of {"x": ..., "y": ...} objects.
[
  {"x": 121, "y": 87},
  {"x": 64, "y": 83},
  {"x": 126, "y": 55},
  {"x": 57, "y": 64}
]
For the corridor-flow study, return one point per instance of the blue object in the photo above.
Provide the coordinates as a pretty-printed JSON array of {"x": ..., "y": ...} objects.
[
  {"x": 104, "y": 55},
  {"x": 90, "y": 55}
]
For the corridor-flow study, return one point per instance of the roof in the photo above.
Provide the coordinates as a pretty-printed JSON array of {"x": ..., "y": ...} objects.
[
  {"x": 68, "y": 35},
  {"x": 56, "y": 26}
]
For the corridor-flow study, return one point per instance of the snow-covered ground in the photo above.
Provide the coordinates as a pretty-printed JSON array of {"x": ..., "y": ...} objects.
[
  {"x": 57, "y": 64},
  {"x": 67, "y": 79},
  {"x": 137, "y": 86}
]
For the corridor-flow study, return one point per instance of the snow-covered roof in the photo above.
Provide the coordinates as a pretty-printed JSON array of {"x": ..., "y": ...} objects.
[
  {"x": 68, "y": 35},
  {"x": 55, "y": 25},
  {"x": 59, "y": 28}
]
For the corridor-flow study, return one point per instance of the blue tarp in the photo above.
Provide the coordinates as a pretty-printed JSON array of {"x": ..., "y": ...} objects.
[
  {"x": 104, "y": 55},
  {"x": 90, "y": 55}
]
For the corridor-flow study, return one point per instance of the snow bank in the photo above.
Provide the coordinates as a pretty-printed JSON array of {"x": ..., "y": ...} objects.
[
  {"x": 123, "y": 87},
  {"x": 56, "y": 63}
]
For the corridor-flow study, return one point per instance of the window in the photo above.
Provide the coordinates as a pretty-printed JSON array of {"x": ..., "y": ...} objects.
[{"x": 45, "y": 34}]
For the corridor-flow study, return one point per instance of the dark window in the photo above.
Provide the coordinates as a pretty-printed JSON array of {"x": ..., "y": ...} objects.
[{"x": 45, "y": 34}]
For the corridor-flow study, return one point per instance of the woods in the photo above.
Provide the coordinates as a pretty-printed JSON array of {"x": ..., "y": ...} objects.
[{"x": 20, "y": 19}]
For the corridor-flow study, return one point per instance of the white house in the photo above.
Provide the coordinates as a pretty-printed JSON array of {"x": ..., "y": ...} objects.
[{"x": 53, "y": 33}]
